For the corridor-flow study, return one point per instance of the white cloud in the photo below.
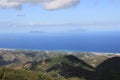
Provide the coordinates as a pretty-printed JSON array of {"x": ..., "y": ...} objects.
[
  {"x": 46, "y": 4},
  {"x": 59, "y": 4}
]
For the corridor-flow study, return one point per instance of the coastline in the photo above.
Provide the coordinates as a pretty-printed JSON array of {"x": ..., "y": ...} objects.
[{"x": 64, "y": 50}]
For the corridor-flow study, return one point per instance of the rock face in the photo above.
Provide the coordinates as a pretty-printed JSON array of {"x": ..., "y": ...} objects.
[{"x": 109, "y": 69}]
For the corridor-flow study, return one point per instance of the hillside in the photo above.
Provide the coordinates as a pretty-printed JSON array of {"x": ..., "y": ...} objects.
[
  {"x": 23, "y": 64},
  {"x": 67, "y": 66},
  {"x": 109, "y": 69},
  {"x": 67, "y": 59},
  {"x": 15, "y": 58},
  {"x": 12, "y": 74}
]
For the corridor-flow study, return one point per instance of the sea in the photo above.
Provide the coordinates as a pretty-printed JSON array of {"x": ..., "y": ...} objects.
[{"x": 79, "y": 42}]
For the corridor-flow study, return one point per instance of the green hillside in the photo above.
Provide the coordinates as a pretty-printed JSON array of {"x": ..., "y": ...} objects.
[
  {"x": 67, "y": 59},
  {"x": 52, "y": 65},
  {"x": 12, "y": 74}
]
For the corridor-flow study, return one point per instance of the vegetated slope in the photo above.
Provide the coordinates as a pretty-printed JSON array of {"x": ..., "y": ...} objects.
[
  {"x": 12, "y": 74},
  {"x": 67, "y": 66},
  {"x": 70, "y": 66},
  {"x": 63, "y": 64},
  {"x": 63, "y": 67},
  {"x": 15, "y": 58},
  {"x": 67, "y": 59},
  {"x": 109, "y": 69}
]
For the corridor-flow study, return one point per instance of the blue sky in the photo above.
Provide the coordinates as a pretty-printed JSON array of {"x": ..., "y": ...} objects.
[{"x": 88, "y": 15}]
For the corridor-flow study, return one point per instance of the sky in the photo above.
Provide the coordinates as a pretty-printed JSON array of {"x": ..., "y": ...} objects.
[{"x": 59, "y": 16}]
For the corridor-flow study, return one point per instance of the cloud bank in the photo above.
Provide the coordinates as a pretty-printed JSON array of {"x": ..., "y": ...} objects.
[{"x": 46, "y": 4}]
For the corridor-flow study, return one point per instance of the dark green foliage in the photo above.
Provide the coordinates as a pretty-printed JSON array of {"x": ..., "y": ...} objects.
[
  {"x": 109, "y": 69},
  {"x": 15, "y": 58},
  {"x": 33, "y": 65},
  {"x": 67, "y": 59},
  {"x": 12, "y": 74},
  {"x": 69, "y": 66}
]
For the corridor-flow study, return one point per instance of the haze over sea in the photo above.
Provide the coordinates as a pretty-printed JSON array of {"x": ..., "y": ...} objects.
[
  {"x": 69, "y": 25},
  {"x": 84, "y": 41}
]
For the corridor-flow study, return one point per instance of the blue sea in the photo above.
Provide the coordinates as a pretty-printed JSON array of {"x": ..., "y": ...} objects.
[{"x": 88, "y": 42}]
